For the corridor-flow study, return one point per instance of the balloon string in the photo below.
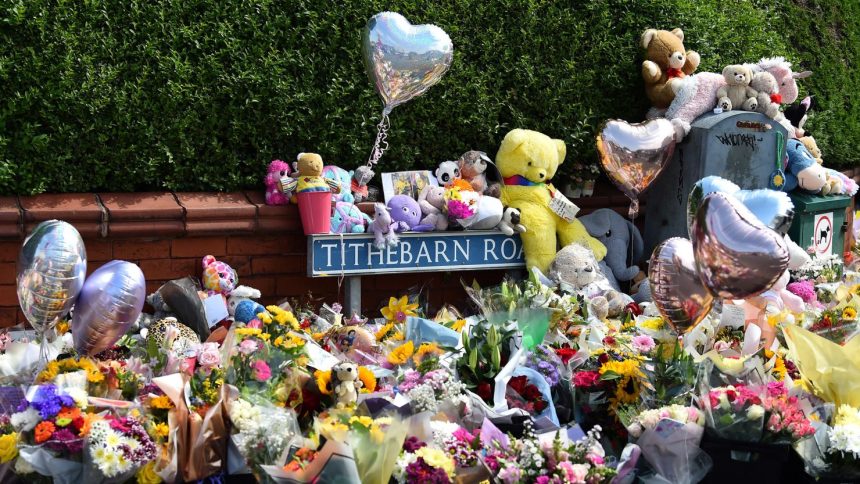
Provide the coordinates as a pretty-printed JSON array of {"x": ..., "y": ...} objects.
[
  {"x": 381, "y": 143},
  {"x": 634, "y": 209}
]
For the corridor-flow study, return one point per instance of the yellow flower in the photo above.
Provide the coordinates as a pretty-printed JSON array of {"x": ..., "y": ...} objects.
[
  {"x": 458, "y": 325},
  {"x": 398, "y": 336},
  {"x": 779, "y": 371},
  {"x": 625, "y": 368},
  {"x": 363, "y": 420},
  {"x": 627, "y": 391},
  {"x": 283, "y": 317},
  {"x": 654, "y": 324},
  {"x": 849, "y": 313},
  {"x": 162, "y": 430},
  {"x": 62, "y": 327},
  {"x": 161, "y": 402},
  {"x": 384, "y": 331},
  {"x": 425, "y": 350},
  {"x": 248, "y": 331},
  {"x": 147, "y": 475},
  {"x": 8, "y": 447},
  {"x": 847, "y": 415},
  {"x": 401, "y": 354},
  {"x": 323, "y": 379},
  {"x": 50, "y": 372},
  {"x": 399, "y": 309},
  {"x": 368, "y": 379},
  {"x": 376, "y": 434},
  {"x": 438, "y": 459},
  {"x": 332, "y": 429}
]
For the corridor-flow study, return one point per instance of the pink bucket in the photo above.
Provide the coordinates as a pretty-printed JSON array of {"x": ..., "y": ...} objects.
[{"x": 315, "y": 210}]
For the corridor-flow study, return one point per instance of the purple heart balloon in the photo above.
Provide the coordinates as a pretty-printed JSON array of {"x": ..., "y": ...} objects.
[
  {"x": 736, "y": 254},
  {"x": 110, "y": 301},
  {"x": 676, "y": 289}
]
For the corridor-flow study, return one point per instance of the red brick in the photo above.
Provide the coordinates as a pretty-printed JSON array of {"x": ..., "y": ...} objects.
[
  {"x": 8, "y": 272},
  {"x": 299, "y": 286},
  {"x": 185, "y": 267},
  {"x": 266, "y": 284},
  {"x": 198, "y": 246},
  {"x": 9, "y": 251},
  {"x": 295, "y": 244},
  {"x": 8, "y": 317},
  {"x": 153, "y": 285},
  {"x": 135, "y": 249},
  {"x": 92, "y": 265},
  {"x": 255, "y": 245},
  {"x": 286, "y": 264},
  {"x": 158, "y": 269},
  {"x": 8, "y": 295},
  {"x": 240, "y": 263},
  {"x": 99, "y": 249}
]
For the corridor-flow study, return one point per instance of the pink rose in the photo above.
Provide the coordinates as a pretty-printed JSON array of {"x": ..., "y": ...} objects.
[
  {"x": 580, "y": 472},
  {"x": 248, "y": 346},
  {"x": 209, "y": 355},
  {"x": 261, "y": 371},
  {"x": 254, "y": 324}
]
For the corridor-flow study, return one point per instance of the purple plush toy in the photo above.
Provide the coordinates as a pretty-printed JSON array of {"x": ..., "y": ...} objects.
[{"x": 406, "y": 215}]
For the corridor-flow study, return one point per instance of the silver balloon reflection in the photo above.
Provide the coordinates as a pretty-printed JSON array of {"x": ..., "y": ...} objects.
[
  {"x": 634, "y": 155},
  {"x": 737, "y": 255},
  {"x": 404, "y": 60},
  {"x": 110, "y": 301},
  {"x": 774, "y": 209},
  {"x": 52, "y": 266},
  {"x": 676, "y": 289}
]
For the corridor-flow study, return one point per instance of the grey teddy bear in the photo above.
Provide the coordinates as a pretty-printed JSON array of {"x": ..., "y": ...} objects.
[{"x": 618, "y": 235}]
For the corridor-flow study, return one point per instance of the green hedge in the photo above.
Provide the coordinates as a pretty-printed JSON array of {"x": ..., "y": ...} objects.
[{"x": 200, "y": 94}]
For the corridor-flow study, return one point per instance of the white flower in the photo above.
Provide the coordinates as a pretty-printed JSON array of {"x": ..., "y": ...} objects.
[
  {"x": 845, "y": 438},
  {"x": 635, "y": 430},
  {"x": 22, "y": 467},
  {"x": 79, "y": 395},
  {"x": 400, "y": 466},
  {"x": 25, "y": 421},
  {"x": 755, "y": 412}
]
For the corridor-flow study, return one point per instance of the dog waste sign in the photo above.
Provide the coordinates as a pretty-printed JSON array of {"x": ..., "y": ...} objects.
[
  {"x": 823, "y": 233},
  {"x": 355, "y": 254}
]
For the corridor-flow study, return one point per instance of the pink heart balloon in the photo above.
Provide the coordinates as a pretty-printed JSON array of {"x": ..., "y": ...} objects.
[
  {"x": 634, "y": 155},
  {"x": 676, "y": 289},
  {"x": 736, "y": 254}
]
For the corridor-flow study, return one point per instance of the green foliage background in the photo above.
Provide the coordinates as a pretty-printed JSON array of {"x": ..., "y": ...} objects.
[{"x": 129, "y": 95}]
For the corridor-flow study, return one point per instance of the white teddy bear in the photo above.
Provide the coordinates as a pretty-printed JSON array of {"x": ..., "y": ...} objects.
[
  {"x": 576, "y": 267},
  {"x": 345, "y": 383}
]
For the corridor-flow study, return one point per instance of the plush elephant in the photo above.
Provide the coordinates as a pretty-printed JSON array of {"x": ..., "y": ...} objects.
[{"x": 622, "y": 240}]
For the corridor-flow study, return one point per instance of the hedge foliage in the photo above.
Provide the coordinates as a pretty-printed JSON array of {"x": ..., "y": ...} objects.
[{"x": 201, "y": 94}]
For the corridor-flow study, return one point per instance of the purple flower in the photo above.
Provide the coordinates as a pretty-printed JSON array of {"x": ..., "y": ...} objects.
[
  {"x": 412, "y": 444},
  {"x": 420, "y": 471},
  {"x": 64, "y": 440},
  {"x": 48, "y": 402}
]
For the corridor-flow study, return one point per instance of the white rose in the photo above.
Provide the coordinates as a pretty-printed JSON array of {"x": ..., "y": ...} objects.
[
  {"x": 755, "y": 412},
  {"x": 635, "y": 430}
]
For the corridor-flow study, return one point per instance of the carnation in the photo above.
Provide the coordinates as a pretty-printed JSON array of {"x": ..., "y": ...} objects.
[{"x": 643, "y": 343}]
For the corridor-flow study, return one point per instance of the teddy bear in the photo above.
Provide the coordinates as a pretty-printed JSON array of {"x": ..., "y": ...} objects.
[
  {"x": 576, "y": 267},
  {"x": 383, "y": 227},
  {"x": 767, "y": 96},
  {"x": 310, "y": 179},
  {"x": 527, "y": 161},
  {"x": 811, "y": 145},
  {"x": 348, "y": 219},
  {"x": 275, "y": 194},
  {"x": 737, "y": 93},
  {"x": 241, "y": 305},
  {"x": 360, "y": 178},
  {"x": 447, "y": 172},
  {"x": 666, "y": 63},
  {"x": 623, "y": 243},
  {"x": 473, "y": 167},
  {"x": 345, "y": 383},
  {"x": 510, "y": 223},
  {"x": 343, "y": 179},
  {"x": 432, "y": 203},
  {"x": 218, "y": 277}
]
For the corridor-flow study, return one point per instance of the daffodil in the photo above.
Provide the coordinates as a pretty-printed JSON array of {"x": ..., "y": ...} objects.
[{"x": 399, "y": 309}]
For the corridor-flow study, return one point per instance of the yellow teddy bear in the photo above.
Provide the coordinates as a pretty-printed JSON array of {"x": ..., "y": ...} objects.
[{"x": 527, "y": 161}]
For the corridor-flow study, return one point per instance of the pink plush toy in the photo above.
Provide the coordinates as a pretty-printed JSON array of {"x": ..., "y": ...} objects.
[
  {"x": 780, "y": 69},
  {"x": 274, "y": 192},
  {"x": 218, "y": 277}
]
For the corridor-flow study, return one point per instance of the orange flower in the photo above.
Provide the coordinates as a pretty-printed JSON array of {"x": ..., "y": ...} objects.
[
  {"x": 89, "y": 418},
  {"x": 368, "y": 379},
  {"x": 70, "y": 413},
  {"x": 44, "y": 431}
]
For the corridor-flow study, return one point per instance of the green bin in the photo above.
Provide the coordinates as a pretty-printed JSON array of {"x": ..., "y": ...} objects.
[{"x": 820, "y": 222}]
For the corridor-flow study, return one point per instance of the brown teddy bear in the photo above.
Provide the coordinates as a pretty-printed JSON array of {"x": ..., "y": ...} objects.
[
  {"x": 666, "y": 63},
  {"x": 737, "y": 93}
]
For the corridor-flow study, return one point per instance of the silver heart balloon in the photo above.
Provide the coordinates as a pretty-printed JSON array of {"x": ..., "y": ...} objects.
[
  {"x": 676, "y": 289},
  {"x": 52, "y": 266},
  {"x": 736, "y": 254},
  {"x": 404, "y": 60},
  {"x": 110, "y": 301},
  {"x": 634, "y": 155},
  {"x": 773, "y": 208}
]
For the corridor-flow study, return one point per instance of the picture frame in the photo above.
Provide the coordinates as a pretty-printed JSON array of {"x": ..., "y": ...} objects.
[{"x": 408, "y": 183}]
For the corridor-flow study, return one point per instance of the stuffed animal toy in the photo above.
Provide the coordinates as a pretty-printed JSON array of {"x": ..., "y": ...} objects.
[
  {"x": 382, "y": 227},
  {"x": 184, "y": 338},
  {"x": 624, "y": 246},
  {"x": 802, "y": 171},
  {"x": 767, "y": 97},
  {"x": 345, "y": 383},
  {"x": 576, "y": 267},
  {"x": 473, "y": 167},
  {"x": 488, "y": 212},
  {"x": 310, "y": 179},
  {"x": 348, "y": 219},
  {"x": 343, "y": 179},
  {"x": 797, "y": 114},
  {"x": 275, "y": 194},
  {"x": 241, "y": 305},
  {"x": 510, "y": 223},
  {"x": 785, "y": 78},
  {"x": 360, "y": 178},
  {"x": 737, "y": 93},
  {"x": 432, "y": 203},
  {"x": 218, "y": 277},
  {"x": 666, "y": 63},
  {"x": 447, "y": 172},
  {"x": 406, "y": 215},
  {"x": 812, "y": 146},
  {"x": 527, "y": 161}
]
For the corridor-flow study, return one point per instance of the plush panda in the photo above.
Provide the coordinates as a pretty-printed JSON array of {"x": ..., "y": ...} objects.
[{"x": 447, "y": 172}]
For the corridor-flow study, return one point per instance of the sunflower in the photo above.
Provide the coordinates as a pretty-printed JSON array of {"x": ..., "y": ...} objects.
[
  {"x": 399, "y": 309},
  {"x": 367, "y": 378},
  {"x": 385, "y": 332},
  {"x": 426, "y": 350},
  {"x": 161, "y": 402},
  {"x": 323, "y": 379},
  {"x": 626, "y": 392},
  {"x": 623, "y": 369},
  {"x": 849, "y": 313},
  {"x": 401, "y": 354}
]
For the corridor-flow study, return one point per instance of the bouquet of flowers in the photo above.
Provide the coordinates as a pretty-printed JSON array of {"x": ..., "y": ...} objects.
[
  {"x": 669, "y": 438},
  {"x": 116, "y": 448},
  {"x": 255, "y": 438},
  {"x": 820, "y": 268},
  {"x": 735, "y": 412},
  {"x": 834, "y": 450},
  {"x": 428, "y": 391},
  {"x": 419, "y": 462}
]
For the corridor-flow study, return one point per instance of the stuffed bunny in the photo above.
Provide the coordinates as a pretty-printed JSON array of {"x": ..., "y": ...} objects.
[{"x": 619, "y": 235}]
